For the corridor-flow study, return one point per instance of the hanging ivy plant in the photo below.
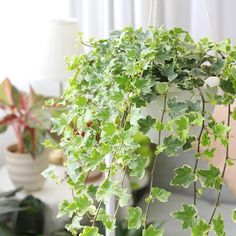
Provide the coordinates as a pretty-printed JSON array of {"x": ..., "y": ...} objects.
[{"x": 104, "y": 108}]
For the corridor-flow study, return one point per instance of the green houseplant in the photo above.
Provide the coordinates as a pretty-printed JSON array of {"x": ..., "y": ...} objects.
[
  {"x": 24, "y": 113},
  {"x": 107, "y": 101}
]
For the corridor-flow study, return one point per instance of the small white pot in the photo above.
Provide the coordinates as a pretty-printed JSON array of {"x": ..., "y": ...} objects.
[{"x": 24, "y": 170}]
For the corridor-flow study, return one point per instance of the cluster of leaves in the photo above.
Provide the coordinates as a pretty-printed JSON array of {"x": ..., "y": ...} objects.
[
  {"x": 25, "y": 114},
  {"x": 102, "y": 113}
]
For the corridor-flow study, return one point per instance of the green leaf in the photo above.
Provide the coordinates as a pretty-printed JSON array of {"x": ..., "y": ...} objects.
[
  {"x": 169, "y": 71},
  {"x": 146, "y": 124},
  {"x": 118, "y": 96},
  {"x": 104, "y": 114},
  {"x": 184, "y": 176},
  {"x": 201, "y": 229},
  {"x": 138, "y": 166},
  {"x": 210, "y": 153},
  {"x": 205, "y": 139},
  {"x": 227, "y": 86},
  {"x": 187, "y": 216},
  {"x": 159, "y": 126},
  {"x": 50, "y": 173},
  {"x": 134, "y": 217},
  {"x": 75, "y": 225},
  {"x": 234, "y": 215},
  {"x": 152, "y": 231},
  {"x": 219, "y": 226},
  {"x": 176, "y": 108},
  {"x": 3, "y": 128},
  {"x": 108, "y": 130},
  {"x": 90, "y": 231},
  {"x": 106, "y": 190},
  {"x": 107, "y": 220},
  {"x": 134, "y": 115},
  {"x": 161, "y": 88},
  {"x": 161, "y": 194},
  {"x": 218, "y": 65},
  {"x": 195, "y": 118},
  {"x": 212, "y": 177},
  {"x": 172, "y": 145}
]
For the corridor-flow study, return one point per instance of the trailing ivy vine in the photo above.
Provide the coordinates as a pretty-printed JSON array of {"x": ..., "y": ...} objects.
[{"x": 104, "y": 107}]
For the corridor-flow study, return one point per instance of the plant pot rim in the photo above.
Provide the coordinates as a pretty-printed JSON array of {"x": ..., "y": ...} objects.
[{"x": 12, "y": 150}]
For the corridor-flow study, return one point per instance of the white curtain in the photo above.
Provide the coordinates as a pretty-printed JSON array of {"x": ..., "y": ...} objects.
[
  {"x": 21, "y": 24},
  {"x": 191, "y": 15}
]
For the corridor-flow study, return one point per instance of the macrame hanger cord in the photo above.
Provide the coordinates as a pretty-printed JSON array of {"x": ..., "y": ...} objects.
[
  {"x": 150, "y": 13},
  {"x": 155, "y": 13},
  {"x": 209, "y": 20}
]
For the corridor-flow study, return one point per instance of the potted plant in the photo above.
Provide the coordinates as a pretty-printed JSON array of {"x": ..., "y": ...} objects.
[
  {"x": 27, "y": 158},
  {"x": 163, "y": 84}
]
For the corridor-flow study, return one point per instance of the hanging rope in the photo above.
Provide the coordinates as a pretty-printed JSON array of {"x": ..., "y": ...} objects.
[
  {"x": 152, "y": 13},
  {"x": 209, "y": 20},
  {"x": 155, "y": 13}
]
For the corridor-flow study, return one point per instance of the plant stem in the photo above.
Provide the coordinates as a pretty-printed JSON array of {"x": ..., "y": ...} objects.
[
  {"x": 122, "y": 185},
  {"x": 198, "y": 146},
  {"x": 155, "y": 161},
  {"x": 224, "y": 168}
]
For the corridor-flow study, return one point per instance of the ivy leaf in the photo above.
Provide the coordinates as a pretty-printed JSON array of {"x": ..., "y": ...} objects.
[
  {"x": 205, "y": 139},
  {"x": 138, "y": 166},
  {"x": 104, "y": 114},
  {"x": 209, "y": 153},
  {"x": 218, "y": 65},
  {"x": 75, "y": 225},
  {"x": 201, "y": 229},
  {"x": 212, "y": 177},
  {"x": 146, "y": 124},
  {"x": 134, "y": 217},
  {"x": 108, "y": 130},
  {"x": 117, "y": 97},
  {"x": 176, "y": 108},
  {"x": 107, "y": 220},
  {"x": 227, "y": 86},
  {"x": 195, "y": 118},
  {"x": 168, "y": 71},
  {"x": 161, "y": 88},
  {"x": 172, "y": 145},
  {"x": 193, "y": 106},
  {"x": 159, "y": 125},
  {"x": 106, "y": 190},
  {"x": 134, "y": 115},
  {"x": 152, "y": 231},
  {"x": 234, "y": 215},
  {"x": 182, "y": 126},
  {"x": 161, "y": 194},
  {"x": 183, "y": 176},
  {"x": 219, "y": 226},
  {"x": 90, "y": 231},
  {"x": 187, "y": 216}
]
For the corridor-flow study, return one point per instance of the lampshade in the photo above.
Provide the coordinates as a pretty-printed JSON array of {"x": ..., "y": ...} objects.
[{"x": 58, "y": 42}]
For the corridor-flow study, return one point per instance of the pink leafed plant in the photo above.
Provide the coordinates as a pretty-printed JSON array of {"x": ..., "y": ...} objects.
[{"x": 25, "y": 114}]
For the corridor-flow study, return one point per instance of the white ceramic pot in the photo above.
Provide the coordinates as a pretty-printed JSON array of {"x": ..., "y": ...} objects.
[
  {"x": 154, "y": 109},
  {"x": 24, "y": 170}
]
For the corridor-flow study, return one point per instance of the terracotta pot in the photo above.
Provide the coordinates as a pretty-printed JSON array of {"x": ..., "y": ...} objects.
[{"x": 24, "y": 170}]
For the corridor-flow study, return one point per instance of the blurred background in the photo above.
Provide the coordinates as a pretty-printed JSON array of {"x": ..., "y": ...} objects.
[
  {"x": 37, "y": 35},
  {"x": 24, "y": 28}
]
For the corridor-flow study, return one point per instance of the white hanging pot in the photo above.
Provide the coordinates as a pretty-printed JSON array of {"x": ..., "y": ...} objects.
[
  {"x": 24, "y": 170},
  {"x": 155, "y": 108}
]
